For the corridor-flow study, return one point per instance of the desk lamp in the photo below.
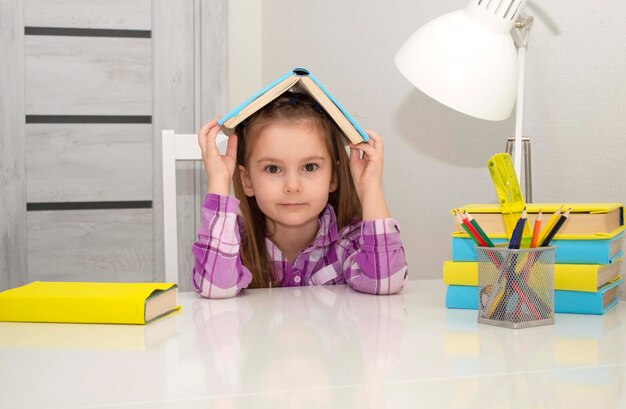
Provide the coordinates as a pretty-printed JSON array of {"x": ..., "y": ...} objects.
[{"x": 472, "y": 60}]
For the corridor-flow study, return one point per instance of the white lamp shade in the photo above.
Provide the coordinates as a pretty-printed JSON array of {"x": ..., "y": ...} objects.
[{"x": 464, "y": 65}]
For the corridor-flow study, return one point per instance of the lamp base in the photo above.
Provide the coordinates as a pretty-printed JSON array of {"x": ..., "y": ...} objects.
[{"x": 528, "y": 183}]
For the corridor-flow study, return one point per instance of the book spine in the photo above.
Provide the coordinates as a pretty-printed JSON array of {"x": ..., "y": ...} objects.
[
  {"x": 567, "y": 251},
  {"x": 462, "y": 297},
  {"x": 565, "y": 302},
  {"x": 584, "y": 223},
  {"x": 571, "y": 277}
]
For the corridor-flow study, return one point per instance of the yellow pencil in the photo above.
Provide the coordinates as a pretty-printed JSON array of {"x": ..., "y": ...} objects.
[{"x": 551, "y": 222}]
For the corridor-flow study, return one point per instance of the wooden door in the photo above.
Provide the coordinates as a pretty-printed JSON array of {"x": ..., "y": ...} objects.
[{"x": 86, "y": 89}]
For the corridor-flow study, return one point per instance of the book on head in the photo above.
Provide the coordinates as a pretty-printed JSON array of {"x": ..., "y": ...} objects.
[
  {"x": 301, "y": 80},
  {"x": 86, "y": 302}
]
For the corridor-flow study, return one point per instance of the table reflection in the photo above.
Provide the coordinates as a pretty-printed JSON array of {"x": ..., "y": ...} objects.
[
  {"x": 293, "y": 344},
  {"x": 548, "y": 366}
]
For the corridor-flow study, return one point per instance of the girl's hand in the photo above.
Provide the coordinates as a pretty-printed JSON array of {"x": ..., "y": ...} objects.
[
  {"x": 367, "y": 171},
  {"x": 219, "y": 168},
  {"x": 367, "y": 174}
]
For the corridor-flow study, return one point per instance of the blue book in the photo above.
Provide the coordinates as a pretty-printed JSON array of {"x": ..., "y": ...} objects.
[
  {"x": 578, "y": 302},
  {"x": 567, "y": 302},
  {"x": 464, "y": 297},
  {"x": 300, "y": 80},
  {"x": 598, "y": 250}
]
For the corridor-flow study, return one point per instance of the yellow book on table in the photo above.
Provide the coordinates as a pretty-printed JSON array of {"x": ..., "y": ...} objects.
[
  {"x": 84, "y": 302},
  {"x": 584, "y": 219},
  {"x": 571, "y": 277}
]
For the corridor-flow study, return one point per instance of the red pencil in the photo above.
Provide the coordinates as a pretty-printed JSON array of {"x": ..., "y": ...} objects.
[{"x": 470, "y": 229}]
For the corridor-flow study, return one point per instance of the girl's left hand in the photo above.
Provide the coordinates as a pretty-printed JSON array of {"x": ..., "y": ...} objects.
[{"x": 367, "y": 171}]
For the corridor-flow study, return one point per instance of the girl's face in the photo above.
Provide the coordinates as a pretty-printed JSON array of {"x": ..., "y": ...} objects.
[{"x": 290, "y": 171}]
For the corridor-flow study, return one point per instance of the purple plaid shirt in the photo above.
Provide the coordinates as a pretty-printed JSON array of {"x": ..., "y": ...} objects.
[{"x": 367, "y": 255}]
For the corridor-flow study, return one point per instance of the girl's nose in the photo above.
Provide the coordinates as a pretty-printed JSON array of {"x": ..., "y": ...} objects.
[{"x": 293, "y": 184}]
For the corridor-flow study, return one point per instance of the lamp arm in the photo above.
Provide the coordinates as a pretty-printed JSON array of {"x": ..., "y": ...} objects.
[{"x": 520, "y": 37}]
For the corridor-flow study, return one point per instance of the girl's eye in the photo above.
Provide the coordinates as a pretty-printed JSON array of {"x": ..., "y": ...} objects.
[
  {"x": 272, "y": 169},
  {"x": 311, "y": 167}
]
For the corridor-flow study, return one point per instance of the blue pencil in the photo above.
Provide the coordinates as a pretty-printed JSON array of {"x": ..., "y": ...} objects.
[{"x": 516, "y": 236}]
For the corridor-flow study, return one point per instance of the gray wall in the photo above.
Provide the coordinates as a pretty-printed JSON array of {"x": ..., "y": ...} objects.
[{"x": 436, "y": 157}]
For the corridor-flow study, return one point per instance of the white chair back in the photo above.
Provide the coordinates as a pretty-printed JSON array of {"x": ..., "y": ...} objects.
[{"x": 176, "y": 147}]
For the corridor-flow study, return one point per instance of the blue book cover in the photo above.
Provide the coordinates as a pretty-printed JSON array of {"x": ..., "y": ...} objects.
[
  {"x": 578, "y": 302},
  {"x": 566, "y": 302},
  {"x": 464, "y": 297},
  {"x": 247, "y": 102},
  {"x": 587, "y": 251}
]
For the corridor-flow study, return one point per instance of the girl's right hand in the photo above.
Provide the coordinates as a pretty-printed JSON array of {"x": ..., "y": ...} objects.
[{"x": 219, "y": 168}]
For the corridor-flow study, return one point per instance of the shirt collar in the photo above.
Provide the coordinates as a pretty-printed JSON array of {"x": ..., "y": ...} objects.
[{"x": 327, "y": 232}]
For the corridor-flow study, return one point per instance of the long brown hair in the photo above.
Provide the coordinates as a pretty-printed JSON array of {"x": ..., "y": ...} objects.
[{"x": 289, "y": 107}]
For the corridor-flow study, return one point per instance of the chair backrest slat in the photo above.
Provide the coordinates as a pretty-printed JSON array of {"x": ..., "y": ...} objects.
[{"x": 176, "y": 147}]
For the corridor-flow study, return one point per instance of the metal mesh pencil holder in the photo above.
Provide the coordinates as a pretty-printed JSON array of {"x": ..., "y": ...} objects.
[{"x": 515, "y": 287}]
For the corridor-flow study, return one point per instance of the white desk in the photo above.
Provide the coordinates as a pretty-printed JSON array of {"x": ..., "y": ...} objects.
[{"x": 317, "y": 347}]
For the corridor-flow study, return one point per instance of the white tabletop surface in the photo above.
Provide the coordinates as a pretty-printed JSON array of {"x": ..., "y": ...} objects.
[{"x": 317, "y": 347}]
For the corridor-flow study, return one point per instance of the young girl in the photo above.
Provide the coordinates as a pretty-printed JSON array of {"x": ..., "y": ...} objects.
[{"x": 310, "y": 215}]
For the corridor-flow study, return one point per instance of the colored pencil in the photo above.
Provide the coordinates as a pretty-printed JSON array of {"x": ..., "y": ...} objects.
[
  {"x": 460, "y": 219},
  {"x": 546, "y": 241},
  {"x": 516, "y": 236},
  {"x": 479, "y": 229},
  {"x": 551, "y": 222},
  {"x": 536, "y": 229},
  {"x": 513, "y": 283},
  {"x": 470, "y": 229}
]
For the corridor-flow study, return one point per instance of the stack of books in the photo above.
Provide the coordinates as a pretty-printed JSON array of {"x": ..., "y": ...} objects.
[{"x": 588, "y": 255}]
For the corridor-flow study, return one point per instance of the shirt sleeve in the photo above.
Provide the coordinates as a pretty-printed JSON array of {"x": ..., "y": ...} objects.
[
  {"x": 372, "y": 256},
  {"x": 218, "y": 271}
]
